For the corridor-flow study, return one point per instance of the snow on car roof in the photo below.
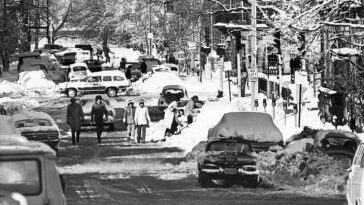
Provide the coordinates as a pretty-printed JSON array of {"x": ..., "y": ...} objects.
[
  {"x": 15, "y": 144},
  {"x": 107, "y": 72},
  {"x": 7, "y": 125},
  {"x": 251, "y": 126},
  {"x": 32, "y": 115},
  {"x": 78, "y": 65}
]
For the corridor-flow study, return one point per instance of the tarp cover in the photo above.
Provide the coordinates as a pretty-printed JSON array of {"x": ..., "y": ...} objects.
[{"x": 251, "y": 126}]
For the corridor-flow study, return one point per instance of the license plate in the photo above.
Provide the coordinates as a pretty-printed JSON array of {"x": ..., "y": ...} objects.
[{"x": 230, "y": 171}]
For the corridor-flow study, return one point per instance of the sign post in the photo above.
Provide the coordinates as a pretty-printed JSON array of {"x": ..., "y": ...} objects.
[{"x": 227, "y": 66}]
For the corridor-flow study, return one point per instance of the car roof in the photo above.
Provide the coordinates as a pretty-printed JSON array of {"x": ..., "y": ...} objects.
[
  {"x": 174, "y": 87},
  {"x": 19, "y": 145},
  {"x": 107, "y": 72},
  {"x": 32, "y": 115}
]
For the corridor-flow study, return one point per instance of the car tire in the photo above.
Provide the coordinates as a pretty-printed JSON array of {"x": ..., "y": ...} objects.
[
  {"x": 204, "y": 180},
  {"x": 253, "y": 182},
  {"x": 112, "y": 92},
  {"x": 71, "y": 93},
  {"x": 111, "y": 127}
]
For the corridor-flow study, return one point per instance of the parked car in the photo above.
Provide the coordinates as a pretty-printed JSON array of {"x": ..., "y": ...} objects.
[
  {"x": 104, "y": 82},
  {"x": 66, "y": 57},
  {"x": 87, "y": 107},
  {"x": 355, "y": 182},
  {"x": 257, "y": 128},
  {"x": 29, "y": 168},
  {"x": 27, "y": 59},
  {"x": 38, "y": 126},
  {"x": 135, "y": 70},
  {"x": 172, "y": 93},
  {"x": 94, "y": 65},
  {"x": 229, "y": 159},
  {"x": 165, "y": 68},
  {"x": 150, "y": 61},
  {"x": 78, "y": 71}
]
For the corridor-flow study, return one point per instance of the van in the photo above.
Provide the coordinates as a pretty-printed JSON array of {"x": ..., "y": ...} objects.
[{"x": 28, "y": 168}]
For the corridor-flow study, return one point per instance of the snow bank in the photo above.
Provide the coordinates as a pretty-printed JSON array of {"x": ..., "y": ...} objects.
[
  {"x": 7, "y": 126},
  {"x": 16, "y": 105},
  {"x": 210, "y": 115},
  {"x": 155, "y": 83},
  {"x": 36, "y": 80}
]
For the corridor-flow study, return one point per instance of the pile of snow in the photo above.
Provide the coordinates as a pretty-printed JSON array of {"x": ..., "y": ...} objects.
[
  {"x": 7, "y": 87},
  {"x": 210, "y": 115},
  {"x": 7, "y": 126},
  {"x": 155, "y": 83},
  {"x": 35, "y": 80},
  {"x": 17, "y": 105}
]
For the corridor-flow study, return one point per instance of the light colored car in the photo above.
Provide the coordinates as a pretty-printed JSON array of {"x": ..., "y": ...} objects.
[
  {"x": 82, "y": 55},
  {"x": 87, "y": 107},
  {"x": 28, "y": 168},
  {"x": 78, "y": 71},
  {"x": 172, "y": 93},
  {"x": 355, "y": 183},
  {"x": 38, "y": 126},
  {"x": 104, "y": 82}
]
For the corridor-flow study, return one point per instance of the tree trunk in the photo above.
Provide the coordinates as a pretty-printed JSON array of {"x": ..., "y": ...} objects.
[
  {"x": 105, "y": 37},
  {"x": 5, "y": 60}
]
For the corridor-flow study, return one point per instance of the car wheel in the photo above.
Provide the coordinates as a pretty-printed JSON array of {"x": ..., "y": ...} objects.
[
  {"x": 71, "y": 93},
  {"x": 253, "y": 182},
  {"x": 204, "y": 180},
  {"x": 111, "y": 92},
  {"x": 111, "y": 127}
]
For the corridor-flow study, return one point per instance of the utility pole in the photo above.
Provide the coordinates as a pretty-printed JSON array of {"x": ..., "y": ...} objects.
[
  {"x": 150, "y": 27},
  {"x": 254, "y": 83}
]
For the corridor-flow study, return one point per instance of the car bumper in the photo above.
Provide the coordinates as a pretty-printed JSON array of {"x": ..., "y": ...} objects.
[{"x": 222, "y": 172}]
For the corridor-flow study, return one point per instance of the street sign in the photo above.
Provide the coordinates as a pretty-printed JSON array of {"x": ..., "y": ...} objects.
[
  {"x": 253, "y": 74},
  {"x": 150, "y": 35},
  {"x": 227, "y": 66}
]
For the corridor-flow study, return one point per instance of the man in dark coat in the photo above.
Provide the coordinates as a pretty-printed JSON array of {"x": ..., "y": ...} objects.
[
  {"x": 97, "y": 113},
  {"x": 2, "y": 110},
  {"x": 122, "y": 64},
  {"x": 74, "y": 117},
  {"x": 106, "y": 53},
  {"x": 128, "y": 72},
  {"x": 143, "y": 67}
]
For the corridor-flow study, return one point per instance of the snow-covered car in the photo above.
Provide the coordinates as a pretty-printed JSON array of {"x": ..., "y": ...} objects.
[
  {"x": 82, "y": 55},
  {"x": 228, "y": 159},
  {"x": 257, "y": 128},
  {"x": 38, "y": 126},
  {"x": 87, "y": 107},
  {"x": 78, "y": 71},
  {"x": 104, "y": 82},
  {"x": 172, "y": 93},
  {"x": 28, "y": 168},
  {"x": 165, "y": 68},
  {"x": 36, "y": 79}
]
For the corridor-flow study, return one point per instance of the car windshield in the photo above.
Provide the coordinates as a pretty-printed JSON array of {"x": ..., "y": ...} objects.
[
  {"x": 22, "y": 176},
  {"x": 79, "y": 68},
  {"x": 32, "y": 123},
  {"x": 229, "y": 147}
]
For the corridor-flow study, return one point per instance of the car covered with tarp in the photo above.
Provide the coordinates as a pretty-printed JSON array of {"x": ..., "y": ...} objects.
[{"x": 257, "y": 128}]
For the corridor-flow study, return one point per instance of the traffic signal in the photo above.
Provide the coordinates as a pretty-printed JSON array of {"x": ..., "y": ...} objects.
[{"x": 277, "y": 40}]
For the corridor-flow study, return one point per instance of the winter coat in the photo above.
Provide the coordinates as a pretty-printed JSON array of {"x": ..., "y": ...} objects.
[
  {"x": 122, "y": 65},
  {"x": 128, "y": 73},
  {"x": 141, "y": 116},
  {"x": 97, "y": 113},
  {"x": 170, "y": 115},
  {"x": 2, "y": 111},
  {"x": 129, "y": 115},
  {"x": 190, "y": 108},
  {"x": 74, "y": 115}
]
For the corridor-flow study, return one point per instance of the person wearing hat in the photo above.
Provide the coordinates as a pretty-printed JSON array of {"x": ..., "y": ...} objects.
[
  {"x": 74, "y": 117},
  {"x": 142, "y": 120},
  {"x": 97, "y": 114},
  {"x": 129, "y": 120}
]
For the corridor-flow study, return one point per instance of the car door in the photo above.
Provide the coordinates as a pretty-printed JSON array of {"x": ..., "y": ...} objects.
[
  {"x": 356, "y": 176},
  {"x": 93, "y": 85}
]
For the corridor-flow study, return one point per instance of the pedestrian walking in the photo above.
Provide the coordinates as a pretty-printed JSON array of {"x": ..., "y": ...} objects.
[
  {"x": 98, "y": 112},
  {"x": 74, "y": 118},
  {"x": 2, "y": 110},
  {"x": 106, "y": 52},
  {"x": 122, "y": 64},
  {"x": 171, "y": 120},
  {"x": 142, "y": 120},
  {"x": 99, "y": 53},
  {"x": 128, "y": 119},
  {"x": 143, "y": 67}
]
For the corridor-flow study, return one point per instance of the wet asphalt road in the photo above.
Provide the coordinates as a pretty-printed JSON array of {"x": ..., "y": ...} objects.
[{"x": 145, "y": 174}]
